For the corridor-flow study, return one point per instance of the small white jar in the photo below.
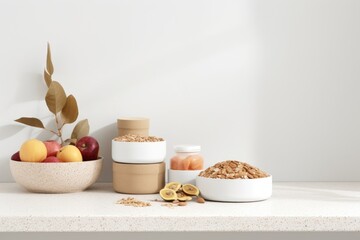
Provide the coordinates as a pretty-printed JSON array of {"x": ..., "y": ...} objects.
[{"x": 186, "y": 165}]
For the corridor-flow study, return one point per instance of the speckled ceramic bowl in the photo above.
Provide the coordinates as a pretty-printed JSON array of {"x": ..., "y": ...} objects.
[{"x": 56, "y": 177}]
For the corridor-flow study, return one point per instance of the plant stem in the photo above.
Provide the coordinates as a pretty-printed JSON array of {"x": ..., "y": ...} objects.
[
  {"x": 52, "y": 132},
  {"x": 59, "y": 134}
]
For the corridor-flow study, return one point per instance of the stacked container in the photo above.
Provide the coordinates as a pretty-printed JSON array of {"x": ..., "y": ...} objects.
[{"x": 138, "y": 167}]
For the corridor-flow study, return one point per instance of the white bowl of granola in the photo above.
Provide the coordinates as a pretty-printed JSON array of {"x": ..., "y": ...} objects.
[
  {"x": 138, "y": 149},
  {"x": 234, "y": 181}
]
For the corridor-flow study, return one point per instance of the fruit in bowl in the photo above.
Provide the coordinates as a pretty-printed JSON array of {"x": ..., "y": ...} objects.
[
  {"x": 52, "y": 147},
  {"x": 34, "y": 150},
  {"x": 51, "y": 159},
  {"x": 67, "y": 171},
  {"x": 16, "y": 156},
  {"x": 88, "y": 147},
  {"x": 32, "y": 168},
  {"x": 56, "y": 177},
  {"x": 69, "y": 153}
]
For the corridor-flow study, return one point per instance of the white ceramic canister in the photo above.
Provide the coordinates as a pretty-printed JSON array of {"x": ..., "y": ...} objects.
[{"x": 138, "y": 152}]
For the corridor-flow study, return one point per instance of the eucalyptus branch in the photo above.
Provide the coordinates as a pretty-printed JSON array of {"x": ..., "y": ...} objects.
[{"x": 64, "y": 108}]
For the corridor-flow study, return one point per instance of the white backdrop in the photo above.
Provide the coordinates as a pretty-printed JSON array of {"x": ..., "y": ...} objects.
[{"x": 273, "y": 82}]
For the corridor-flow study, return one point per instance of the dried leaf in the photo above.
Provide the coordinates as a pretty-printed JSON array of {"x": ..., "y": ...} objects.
[
  {"x": 34, "y": 122},
  {"x": 55, "y": 97},
  {"x": 70, "y": 141},
  {"x": 49, "y": 64},
  {"x": 70, "y": 111},
  {"x": 81, "y": 129},
  {"x": 47, "y": 78}
]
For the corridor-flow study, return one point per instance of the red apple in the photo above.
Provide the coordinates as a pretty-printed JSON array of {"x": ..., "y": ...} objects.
[
  {"x": 16, "y": 156},
  {"x": 52, "y": 147},
  {"x": 88, "y": 147},
  {"x": 51, "y": 159}
]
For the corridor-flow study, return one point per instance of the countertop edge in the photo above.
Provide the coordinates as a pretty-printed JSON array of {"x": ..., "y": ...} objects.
[{"x": 182, "y": 224}]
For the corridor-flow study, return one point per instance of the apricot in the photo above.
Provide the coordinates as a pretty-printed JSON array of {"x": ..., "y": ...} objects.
[
  {"x": 175, "y": 163},
  {"x": 196, "y": 162},
  {"x": 186, "y": 163},
  {"x": 33, "y": 150},
  {"x": 69, "y": 153}
]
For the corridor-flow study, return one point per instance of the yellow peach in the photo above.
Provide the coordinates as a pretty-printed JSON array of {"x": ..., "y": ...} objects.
[
  {"x": 69, "y": 153},
  {"x": 33, "y": 150}
]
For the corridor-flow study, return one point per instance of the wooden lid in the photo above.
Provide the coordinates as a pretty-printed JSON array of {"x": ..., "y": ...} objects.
[{"x": 133, "y": 122}]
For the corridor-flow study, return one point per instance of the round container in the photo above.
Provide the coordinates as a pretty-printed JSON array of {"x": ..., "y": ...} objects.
[
  {"x": 235, "y": 190},
  {"x": 138, "y": 152},
  {"x": 138, "y": 178},
  {"x": 187, "y": 157},
  {"x": 186, "y": 165},
  {"x": 63, "y": 177},
  {"x": 183, "y": 176},
  {"x": 135, "y": 125}
]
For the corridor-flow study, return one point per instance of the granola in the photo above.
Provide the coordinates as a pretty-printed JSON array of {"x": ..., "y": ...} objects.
[
  {"x": 130, "y": 201},
  {"x": 232, "y": 169},
  {"x": 138, "y": 138}
]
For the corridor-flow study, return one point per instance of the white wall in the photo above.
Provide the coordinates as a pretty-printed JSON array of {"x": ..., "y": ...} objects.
[{"x": 271, "y": 82}]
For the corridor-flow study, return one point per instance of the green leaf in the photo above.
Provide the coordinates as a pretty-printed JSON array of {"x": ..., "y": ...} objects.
[
  {"x": 47, "y": 78},
  {"x": 81, "y": 129},
  {"x": 30, "y": 121},
  {"x": 49, "y": 64},
  {"x": 70, "y": 111},
  {"x": 55, "y": 97}
]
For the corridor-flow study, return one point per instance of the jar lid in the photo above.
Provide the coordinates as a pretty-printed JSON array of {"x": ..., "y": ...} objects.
[
  {"x": 187, "y": 148},
  {"x": 133, "y": 122}
]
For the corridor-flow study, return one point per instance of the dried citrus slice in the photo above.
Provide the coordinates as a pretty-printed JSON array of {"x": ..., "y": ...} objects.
[
  {"x": 190, "y": 189},
  {"x": 168, "y": 194},
  {"x": 173, "y": 185},
  {"x": 184, "y": 198}
]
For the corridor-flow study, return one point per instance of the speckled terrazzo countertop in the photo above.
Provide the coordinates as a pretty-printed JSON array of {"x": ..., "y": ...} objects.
[{"x": 293, "y": 207}]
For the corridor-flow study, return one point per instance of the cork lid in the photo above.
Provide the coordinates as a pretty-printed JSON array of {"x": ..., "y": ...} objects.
[{"x": 133, "y": 122}]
